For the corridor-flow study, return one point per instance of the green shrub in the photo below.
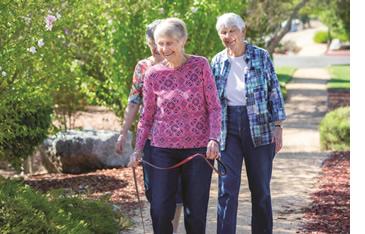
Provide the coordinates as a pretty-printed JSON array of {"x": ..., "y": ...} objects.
[
  {"x": 24, "y": 210},
  {"x": 342, "y": 36},
  {"x": 90, "y": 52},
  {"x": 335, "y": 130},
  {"x": 24, "y": 122},
  {"x": 321, "y": 37}
]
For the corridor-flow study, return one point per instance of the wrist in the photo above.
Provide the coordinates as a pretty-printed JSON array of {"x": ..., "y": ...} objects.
[
  {"x": 137, "y": 151},
  {"x": 278, "y": 124},
  {"x": 120, "y": 137},
  {"x": 215, "y": 141}
]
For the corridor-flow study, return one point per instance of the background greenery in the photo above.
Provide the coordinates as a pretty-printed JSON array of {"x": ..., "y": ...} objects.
[
  {"x": 88, "y": 55},
  {"x": 334, "y": 130},
  {"x": 24, "y": 210},
  {"x": 285, "y": 75},
  {"x": 340, "y": 77}
]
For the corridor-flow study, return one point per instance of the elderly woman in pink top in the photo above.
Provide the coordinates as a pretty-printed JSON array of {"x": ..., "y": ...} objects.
[{"x": 183, "y": 113}]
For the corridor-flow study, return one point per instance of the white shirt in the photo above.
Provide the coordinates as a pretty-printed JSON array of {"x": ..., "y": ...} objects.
[{"x": 235, "y": 88}]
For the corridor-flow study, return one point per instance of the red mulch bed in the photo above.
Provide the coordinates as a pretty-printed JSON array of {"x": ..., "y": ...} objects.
[
  {"x": 116, "y": 183},
  {"x": 330, "y": 208}
]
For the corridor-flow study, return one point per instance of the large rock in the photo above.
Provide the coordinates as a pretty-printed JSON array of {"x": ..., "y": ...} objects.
[{"x": 85, "y": 151}]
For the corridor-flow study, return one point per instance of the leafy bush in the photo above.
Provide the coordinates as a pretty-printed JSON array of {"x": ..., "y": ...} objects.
[
  {"x": 93, "y": 46},
  {"x": 321, "y": 37},
  {"x": 24, "y": 210},
  {"x": 24, "y": 122},
  {"x": 335, "y": 130}
]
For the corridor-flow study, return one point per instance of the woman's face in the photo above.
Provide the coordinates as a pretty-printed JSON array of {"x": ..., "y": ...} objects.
[
  {"x": 232, "y": 37},
  {"x": 170, "y": 48}
]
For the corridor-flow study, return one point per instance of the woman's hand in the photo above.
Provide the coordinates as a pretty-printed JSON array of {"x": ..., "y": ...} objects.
[
  {"x": 212, "y": 149},
  {"x": 278, "y": 138},
  {"x": 134, "y": 158},
  {"x": 119, "y": 145}
]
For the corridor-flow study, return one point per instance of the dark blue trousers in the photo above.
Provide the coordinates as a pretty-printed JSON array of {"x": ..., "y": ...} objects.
[
  {"x": 195, "y": 180},
  {"x": 258, "y": 163},
  {"x": 147, "y": 174}
]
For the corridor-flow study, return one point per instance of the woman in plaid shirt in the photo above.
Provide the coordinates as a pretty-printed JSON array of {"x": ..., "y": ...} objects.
[{"x": 252, "y": 112}]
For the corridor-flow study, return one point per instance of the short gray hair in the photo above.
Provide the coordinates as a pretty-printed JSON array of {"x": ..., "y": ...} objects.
[
  {"x": 150, "y": 29},
  {"x": 230, "y": 20},
  {"x": 171, "y": 27}
]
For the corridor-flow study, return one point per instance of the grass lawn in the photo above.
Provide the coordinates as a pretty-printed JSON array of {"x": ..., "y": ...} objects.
[
  {"x": 340, "y": 77},
  {"x": 285, "y": 74}
]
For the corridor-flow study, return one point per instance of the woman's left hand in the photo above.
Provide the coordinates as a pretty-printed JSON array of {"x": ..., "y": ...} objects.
[
  {"x": 278, "y": 138},
  {"x": 212, "y": 150}
]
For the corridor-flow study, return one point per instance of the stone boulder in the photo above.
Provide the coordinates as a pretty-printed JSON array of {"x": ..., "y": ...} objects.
[{"x": 84, "y": 151}]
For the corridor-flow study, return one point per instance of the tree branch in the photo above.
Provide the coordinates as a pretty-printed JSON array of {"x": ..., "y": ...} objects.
[{"x": 274, "y": 41}]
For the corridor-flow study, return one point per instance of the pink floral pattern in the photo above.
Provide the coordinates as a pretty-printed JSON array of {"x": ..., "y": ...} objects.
[{"x": 181, "y": 106}]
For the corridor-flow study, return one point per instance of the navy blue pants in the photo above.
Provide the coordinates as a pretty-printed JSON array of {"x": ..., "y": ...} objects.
[
  {"x": 195, "y": 180},
  {"x": 258, "y": 163},
  {"x": 147, "y": 173}
]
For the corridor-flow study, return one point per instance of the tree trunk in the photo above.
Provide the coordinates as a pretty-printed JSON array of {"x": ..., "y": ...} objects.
[{"x": 274, "y": 41}]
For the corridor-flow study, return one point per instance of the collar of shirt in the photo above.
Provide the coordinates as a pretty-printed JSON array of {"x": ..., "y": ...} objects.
[{"x": 247, "y": 55}]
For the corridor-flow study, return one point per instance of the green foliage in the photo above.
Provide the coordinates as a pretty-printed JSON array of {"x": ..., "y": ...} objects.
[
  {"x": 321, "y": 37},
  {"x": 24, "y": 121},
  {"x": 24, "y": 210},
  {"x": 340, "y": 77},
  {"x": 335, "y": 14},
  {"x": 285, "y": 75},
  {"x": 335, "y": 130},
  {"x": 88, "y": 56},
  {"x": 264, "y": 19}
]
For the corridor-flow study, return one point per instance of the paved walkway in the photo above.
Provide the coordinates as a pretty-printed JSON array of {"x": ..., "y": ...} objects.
[{"x": 295, "y": 167}]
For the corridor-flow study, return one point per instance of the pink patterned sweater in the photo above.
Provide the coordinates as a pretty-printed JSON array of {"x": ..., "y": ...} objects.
[{"x": 181, "y": 106}]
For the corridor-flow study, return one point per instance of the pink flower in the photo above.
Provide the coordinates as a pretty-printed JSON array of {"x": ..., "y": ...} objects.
[{"x": 49, "y": 19}]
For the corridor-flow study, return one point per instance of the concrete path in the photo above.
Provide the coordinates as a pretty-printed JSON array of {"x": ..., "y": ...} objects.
[
  {"x": 295, "y": 167},
  {"x": 304, "y": 40},
  {"x": 311, "y": 55},
  {"x": 310, "y": 61}
]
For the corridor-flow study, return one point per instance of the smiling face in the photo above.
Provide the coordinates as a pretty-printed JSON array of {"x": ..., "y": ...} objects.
[
  {"x": 232, "y": 37},
  {"x": 170, "y": 48}
]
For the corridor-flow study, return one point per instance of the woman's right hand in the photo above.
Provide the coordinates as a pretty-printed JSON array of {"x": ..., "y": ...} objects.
[
  {"x": 119, "y": 145},
  {"x": 212, "y": 150}
]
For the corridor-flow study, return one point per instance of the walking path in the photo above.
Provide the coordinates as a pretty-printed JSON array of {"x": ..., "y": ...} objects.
[{"x": 295, "y": 167}]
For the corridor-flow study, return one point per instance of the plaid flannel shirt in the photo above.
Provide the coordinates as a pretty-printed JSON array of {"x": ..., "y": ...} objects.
[{"x": 264, "y": 101}]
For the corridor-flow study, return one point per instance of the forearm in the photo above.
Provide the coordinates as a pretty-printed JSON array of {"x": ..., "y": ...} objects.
[{"x": 129, "y": 116}]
